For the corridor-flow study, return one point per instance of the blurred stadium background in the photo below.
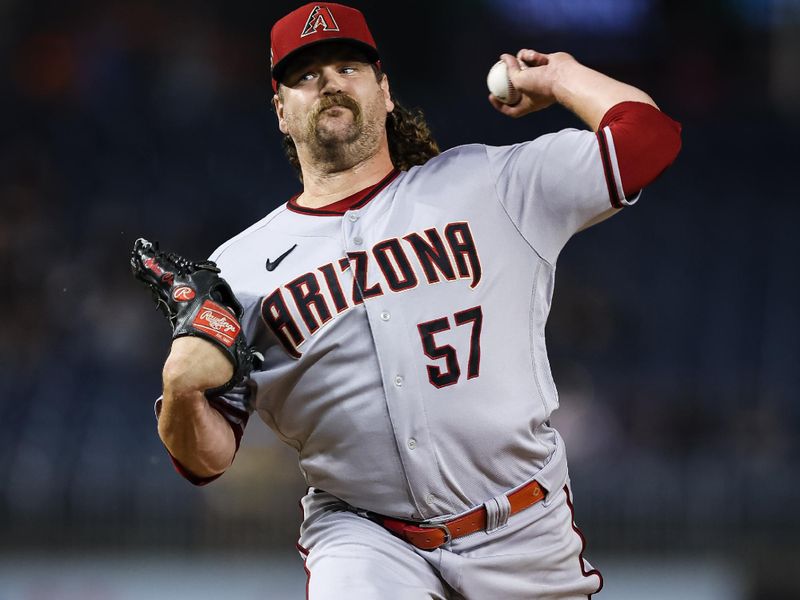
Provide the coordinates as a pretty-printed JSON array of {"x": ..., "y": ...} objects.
[{"x": 674, "y": 336}]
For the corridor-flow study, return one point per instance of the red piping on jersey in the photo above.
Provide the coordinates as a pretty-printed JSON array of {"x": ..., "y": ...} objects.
[
  {"x": 608, "y": 170},
  {"x": 304, "y": 552},
  {"x": 338, "y": 208},
  {"x": 583, "y": 546}
]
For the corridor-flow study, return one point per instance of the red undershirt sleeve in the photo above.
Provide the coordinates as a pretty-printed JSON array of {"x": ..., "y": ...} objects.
[{"x": 645, "y": 142}]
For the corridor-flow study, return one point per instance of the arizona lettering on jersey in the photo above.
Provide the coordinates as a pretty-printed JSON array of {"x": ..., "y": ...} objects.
[
  {"x": 316, "y": 296},
  {"x": 406, "y": 312}
]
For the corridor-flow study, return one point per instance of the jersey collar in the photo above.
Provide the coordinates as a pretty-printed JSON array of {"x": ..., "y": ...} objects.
[{"x": 338, "y": 208}]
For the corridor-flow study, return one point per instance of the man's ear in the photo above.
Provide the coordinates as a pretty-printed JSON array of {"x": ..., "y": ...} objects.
[
  {"x": 277, "y": 104},
  {"x": 387, "y": 94}
]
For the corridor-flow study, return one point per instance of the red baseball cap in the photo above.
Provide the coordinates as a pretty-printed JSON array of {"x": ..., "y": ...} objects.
[{"x": 313, "y": 24}]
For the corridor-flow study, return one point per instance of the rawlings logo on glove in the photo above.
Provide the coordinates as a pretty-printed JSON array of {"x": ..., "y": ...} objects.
[
  {"x": 216, "y": 321},
  {"x": 182, "y": 294},
  {"x": 197, "y": 301}
]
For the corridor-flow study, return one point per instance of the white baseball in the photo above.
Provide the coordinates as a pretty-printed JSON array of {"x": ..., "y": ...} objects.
[{"x": 500, "y": 85}]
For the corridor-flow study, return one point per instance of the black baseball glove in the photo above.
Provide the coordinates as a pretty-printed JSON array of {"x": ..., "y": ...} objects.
[{"x": 198, "y": 302}]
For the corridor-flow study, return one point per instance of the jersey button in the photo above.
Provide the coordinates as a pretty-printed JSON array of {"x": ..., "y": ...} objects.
[
  {"x": 358, "y": 241},
  {"x": 353, "y": 217},
  {"x": 412, "y": 443},
  {"x": 430, "y": 499},
  {"x": 398, "y": 381},
  {"x": 385, "y": 316}
]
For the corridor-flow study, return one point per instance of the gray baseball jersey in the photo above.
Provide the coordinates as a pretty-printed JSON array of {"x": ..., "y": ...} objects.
[{"x": 403, "y": 328}]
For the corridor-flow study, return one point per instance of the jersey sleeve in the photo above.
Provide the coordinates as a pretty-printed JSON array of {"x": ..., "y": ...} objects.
[{"x": 556, "y": 185}]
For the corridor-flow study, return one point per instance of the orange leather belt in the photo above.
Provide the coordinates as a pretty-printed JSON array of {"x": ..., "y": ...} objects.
[{"x": 430, "y": 536}]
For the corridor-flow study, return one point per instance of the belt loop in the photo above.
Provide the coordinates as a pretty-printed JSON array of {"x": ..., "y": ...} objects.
[{"x": 498, "y": 510}]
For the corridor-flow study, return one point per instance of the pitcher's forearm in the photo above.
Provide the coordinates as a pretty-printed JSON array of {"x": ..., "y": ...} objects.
[
  {"x": 545, "y": 79},
  {"x": 196, "y": 434},
  {"x": 590, "y": 94}
]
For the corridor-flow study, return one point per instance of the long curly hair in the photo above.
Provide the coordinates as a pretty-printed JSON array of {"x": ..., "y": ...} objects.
[{"x": 410, "y": 139}]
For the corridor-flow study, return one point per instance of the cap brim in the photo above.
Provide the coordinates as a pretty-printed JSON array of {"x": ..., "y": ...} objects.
[{"x": 279, "y": 69}]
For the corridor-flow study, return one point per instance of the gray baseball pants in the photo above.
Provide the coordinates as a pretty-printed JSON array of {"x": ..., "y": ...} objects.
[{"x": 536, "y": 554}]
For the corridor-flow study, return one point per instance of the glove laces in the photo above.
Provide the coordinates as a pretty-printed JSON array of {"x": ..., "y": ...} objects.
[{"x": 185, "y": 266}]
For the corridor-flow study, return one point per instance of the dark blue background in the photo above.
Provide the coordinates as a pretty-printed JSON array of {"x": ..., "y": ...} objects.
[{"x": 674, "y": 332}]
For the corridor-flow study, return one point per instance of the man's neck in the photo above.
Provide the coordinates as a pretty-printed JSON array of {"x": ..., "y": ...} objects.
[{"x": 321, "y": 187}]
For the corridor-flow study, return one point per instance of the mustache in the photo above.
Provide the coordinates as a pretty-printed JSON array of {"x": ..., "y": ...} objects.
[{"x": 342, "y": 100}]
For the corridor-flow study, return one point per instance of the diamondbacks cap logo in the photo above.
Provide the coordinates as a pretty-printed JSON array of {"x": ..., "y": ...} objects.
[
  {"x": 182, "y": 294},
  {"x": 319, "y": 17}
]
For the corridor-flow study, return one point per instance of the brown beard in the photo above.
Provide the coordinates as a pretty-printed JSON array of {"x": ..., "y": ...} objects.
[{"x": 327, "y": 102}]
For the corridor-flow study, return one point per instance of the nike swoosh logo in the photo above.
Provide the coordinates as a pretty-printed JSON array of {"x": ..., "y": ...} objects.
[{"x": 272, "y": 265}]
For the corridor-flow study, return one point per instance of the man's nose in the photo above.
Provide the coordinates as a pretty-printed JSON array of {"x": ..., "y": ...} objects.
[{"x": 330, "y": 82}]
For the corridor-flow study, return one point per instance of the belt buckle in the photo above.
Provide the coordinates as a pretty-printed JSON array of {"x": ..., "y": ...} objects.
[{"x": 447, "y": 535}]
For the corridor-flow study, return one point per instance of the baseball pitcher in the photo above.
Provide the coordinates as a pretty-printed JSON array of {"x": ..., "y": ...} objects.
[{"x": 387, "y": 322}]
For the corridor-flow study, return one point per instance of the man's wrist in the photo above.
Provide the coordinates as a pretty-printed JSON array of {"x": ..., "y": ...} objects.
[{"x": 565, "y": 73}]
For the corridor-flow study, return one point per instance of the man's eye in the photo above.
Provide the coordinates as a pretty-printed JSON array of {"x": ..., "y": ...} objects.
[
  {"x": 306, "y": 76},
  {"x": 348, "y": 70}
]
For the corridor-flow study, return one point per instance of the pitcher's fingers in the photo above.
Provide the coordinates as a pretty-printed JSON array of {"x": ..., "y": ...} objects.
[
  {"x": 532, "y": 58},
  {"x": 509, "y": 111},
  {"x": 512, "y": 64}
]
